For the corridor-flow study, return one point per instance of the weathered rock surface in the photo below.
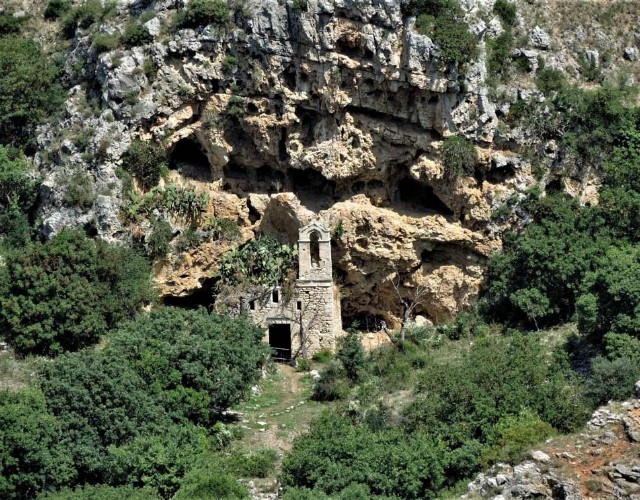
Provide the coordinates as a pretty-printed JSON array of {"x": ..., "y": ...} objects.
[
  {"x": 601, "y": 463},
  {"x": 337, "y": 111}
]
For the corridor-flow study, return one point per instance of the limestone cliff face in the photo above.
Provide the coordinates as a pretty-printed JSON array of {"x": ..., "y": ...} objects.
[{"x": 337, "y": 112}]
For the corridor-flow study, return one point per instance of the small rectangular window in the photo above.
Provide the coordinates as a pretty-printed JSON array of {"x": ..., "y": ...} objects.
[
  {"x": 299, "y": 305},
  {"x": 252, "y": 305},
  {"x": 275, "y": 296}
]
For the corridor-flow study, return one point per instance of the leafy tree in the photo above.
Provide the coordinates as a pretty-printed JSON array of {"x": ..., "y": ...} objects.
[
  {"x": 100, "y": 401},
  {"x": 31, "y": 454},
  {"x": 199, "y": 363},
  {"x": 159, "y": 461},
  {"x": 539, "y": 276},
  {"x": 63, "y": 294},
  {"x": 102, "y": 492},
  {"x": 29, "y": 88},
  {"x": 352, "y": 356},
  {"x": 335, "y": 454}
]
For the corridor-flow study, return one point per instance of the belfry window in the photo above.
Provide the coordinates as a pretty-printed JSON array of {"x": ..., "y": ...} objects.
[{"x": 314, "y": 248}]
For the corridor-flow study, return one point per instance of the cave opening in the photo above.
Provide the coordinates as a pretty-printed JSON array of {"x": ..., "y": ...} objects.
[
  {"x": 312, "y": 187},
  {"x": 308, "y": 121},
  {"x": 500, "y": 175},
  {"x": 201, "y": 297},
  {"x": 421, "y": 197},
  {"x": 270, "y": 180},
  {"x": 188, "y": 159}
]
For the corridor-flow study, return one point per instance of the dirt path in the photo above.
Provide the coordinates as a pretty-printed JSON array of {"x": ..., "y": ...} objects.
[{"x": 278, "y": 411}]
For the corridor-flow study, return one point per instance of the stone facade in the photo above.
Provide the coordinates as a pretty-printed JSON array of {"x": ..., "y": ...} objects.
[{"x": 306, "y": 319}]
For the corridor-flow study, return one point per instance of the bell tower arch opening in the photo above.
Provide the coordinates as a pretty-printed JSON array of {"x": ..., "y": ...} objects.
[{"x": 314, "y": 248}]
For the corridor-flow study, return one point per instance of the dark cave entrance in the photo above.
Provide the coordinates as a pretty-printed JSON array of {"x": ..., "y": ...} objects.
[
  {"x": 187, "y": 158},
  {"x": 421, "y": 197}
]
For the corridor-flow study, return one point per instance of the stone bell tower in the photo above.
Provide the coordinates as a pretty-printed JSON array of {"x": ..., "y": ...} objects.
[{"x": 318, "y": 303}]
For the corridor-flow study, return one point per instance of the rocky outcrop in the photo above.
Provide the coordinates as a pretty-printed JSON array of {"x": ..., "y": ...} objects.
[
  {"x": 600, "y": 463},
  {"x": 335, "y": 111}
]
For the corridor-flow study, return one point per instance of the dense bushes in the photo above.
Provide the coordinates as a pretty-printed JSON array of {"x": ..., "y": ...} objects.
[
  {"x": 201, "y": 12},
  {"x": 32, "y": 456},
  {"x": 138, "y": 412},
  {"x": 336, "y": 454},
  {"x": 465, "y": 414},
  {"x": 29, "y": 89},
  {"x": 63, "y": 294},
  {"x": 459, "y": 156},
  {"x": 443, "y": 21},
  {"x": 146, "y": 161}
]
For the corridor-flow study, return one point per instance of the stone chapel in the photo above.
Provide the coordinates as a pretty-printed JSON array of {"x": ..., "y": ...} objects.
[{"x": 308, "y": 319}]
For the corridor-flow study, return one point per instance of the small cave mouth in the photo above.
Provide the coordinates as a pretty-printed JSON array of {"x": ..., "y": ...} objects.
[
  {"x": 201, "y": 297},
  {"x": 187, "y": 158},
  {"x": 311, "y": 186},
  {"x": 421, "y": 197},
  {"x": 499, "y": 175}
]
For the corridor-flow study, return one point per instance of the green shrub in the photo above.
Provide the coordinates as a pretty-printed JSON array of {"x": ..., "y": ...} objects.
[
  {"x": 515, "y": 435},
  {"x": 10, "y": 25},
  {"x": 201, "y": 362},
  {"x": 621, "y": 345},
  {"x": 459, "y": 156},
  {"x": 300, "y": 5},
  {"x": 103, "y": 42},
  {"x": 506, "y": 11},
  {"x": 456, "y": 44},
  {"x": 102, "y": 492},
  {"x": 499, "y": 54},
  {"x": 18, "y": 191},
  {"x": 29, "y": 88},
  {"x": 79, "y": 190},
  {"x": 612, "y": 379},
  {"x": 549, "y": 80},
  {"x": 85, "y": 15},
  {"x": 100, "y": 401},
  {"x": 443, "y": 21},
  {"x": 32, "y": 457},
  {"x": 352, "y": 356},
  {"x": 334, "y": 454},
  {"x": 159, "y": 461},
  {"x": 465, "y": 400},
  {"x": 332, "y": 384},
  {"x": 63, "y": 294},
  {"x": 146, "y": 161},
  {"x": 160, "y": 240},
  {"x": 135, "y": 35},
  {"x": 259, "y": 463},
  {"x": 56, "y": 9},
  {"x": 211, "y": 481},
  {"x": 323, "y": 356},
  {"x": 202, "y": 12}
]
